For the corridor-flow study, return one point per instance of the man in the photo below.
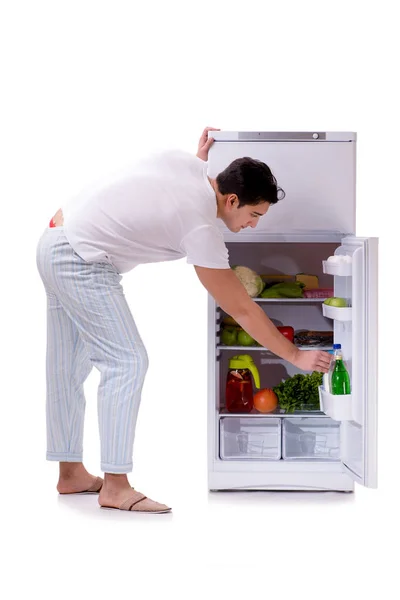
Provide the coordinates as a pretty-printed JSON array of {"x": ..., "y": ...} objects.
[{"x": 164, "y": 208}]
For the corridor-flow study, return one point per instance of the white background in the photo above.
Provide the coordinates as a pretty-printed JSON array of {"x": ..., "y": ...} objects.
[{"x": 86, "y": 87}]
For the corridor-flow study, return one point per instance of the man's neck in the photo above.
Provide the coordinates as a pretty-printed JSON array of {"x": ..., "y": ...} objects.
[{"x": 213, "y": 183}]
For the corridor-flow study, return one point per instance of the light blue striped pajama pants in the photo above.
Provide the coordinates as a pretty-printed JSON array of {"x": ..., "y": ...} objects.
[{"x": 89, "y": 323}]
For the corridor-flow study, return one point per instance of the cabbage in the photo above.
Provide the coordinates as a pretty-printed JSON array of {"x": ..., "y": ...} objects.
[{"x": 250, "y": 279}]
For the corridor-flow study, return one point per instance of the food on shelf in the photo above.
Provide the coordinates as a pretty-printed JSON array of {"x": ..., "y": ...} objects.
[
  {"x": 252, "y": 282},
  {"x": 229, "y": 336},
  {"x": 277, "y": 278},
  {"x": 340, "y": 259},
  {"x": 306, "y": 337},
  {"x": 289, "y": 289},
  {"x": 265, "y": 400},
  {"x": 318, "y": 293},
  {"x": 334, "y": 301},
  {"x": 299, "y": 392},
  {"x": 230, "y": 321},
  {"x": 236, "y": 336},
  {"x": 310, "y": 281},
  {"x": 287, "y": 331},
  {"x": 245, "y": 339}
]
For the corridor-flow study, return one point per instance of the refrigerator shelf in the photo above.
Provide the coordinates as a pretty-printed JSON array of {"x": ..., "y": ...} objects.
[
  {"x": 337, "y": 313},
  {"x": 342, "y": 269},
  {"x": 286, "y": 301},
  {"x": 338, "y": 407},
  {"x": 290, "y": 300},
  {"x": 262, "y": 349},
  {"x": 275, "y": 413}
]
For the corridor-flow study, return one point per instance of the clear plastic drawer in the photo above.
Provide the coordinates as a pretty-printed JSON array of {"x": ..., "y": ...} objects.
[
  {"x": 250, "y": 438},
  {"x": 311, "y": 438}
]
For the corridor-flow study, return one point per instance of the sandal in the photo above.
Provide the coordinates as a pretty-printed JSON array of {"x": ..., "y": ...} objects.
[{"x": 138, "y": 502}]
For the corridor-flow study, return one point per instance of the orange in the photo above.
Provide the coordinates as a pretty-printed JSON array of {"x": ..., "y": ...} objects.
[{"x": 265, "y": 400}]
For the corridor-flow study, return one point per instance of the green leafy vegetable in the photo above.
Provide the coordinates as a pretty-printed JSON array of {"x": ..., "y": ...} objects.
[
  {"x": 299, "y": 390},
  {"x": 289, "y": 289}
]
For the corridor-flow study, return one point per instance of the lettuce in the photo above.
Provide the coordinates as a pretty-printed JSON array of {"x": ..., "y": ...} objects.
[{"x": 300, "y": 390}]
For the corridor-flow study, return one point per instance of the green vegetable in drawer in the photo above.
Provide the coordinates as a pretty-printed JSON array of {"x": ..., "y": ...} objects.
[{"x": 299, "y": 390}]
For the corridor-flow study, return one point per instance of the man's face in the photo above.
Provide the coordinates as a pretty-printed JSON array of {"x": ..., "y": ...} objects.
[{"x": 246, "y": 216}]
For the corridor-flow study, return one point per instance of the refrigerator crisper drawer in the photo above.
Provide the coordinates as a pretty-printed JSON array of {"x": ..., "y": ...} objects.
[
  {"x": 308, "y": 438},
  {"x": 244, "y": 438}
]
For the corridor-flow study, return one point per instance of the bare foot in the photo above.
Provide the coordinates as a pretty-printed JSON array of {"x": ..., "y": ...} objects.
[
  {"x": 115, "y": 491},
  {"x": 74, "y": 479}
]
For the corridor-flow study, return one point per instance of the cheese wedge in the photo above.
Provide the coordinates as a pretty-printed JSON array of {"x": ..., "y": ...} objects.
[{"x": 310, "y": 281}]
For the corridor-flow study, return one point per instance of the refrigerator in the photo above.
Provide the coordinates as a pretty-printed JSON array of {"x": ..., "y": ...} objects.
[{"x": 336, "y": 446}]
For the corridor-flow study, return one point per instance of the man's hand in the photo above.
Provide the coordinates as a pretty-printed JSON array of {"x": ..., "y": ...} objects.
[
  {"x": 205, "y": 143},
  {"x": 312, "y": 360}
]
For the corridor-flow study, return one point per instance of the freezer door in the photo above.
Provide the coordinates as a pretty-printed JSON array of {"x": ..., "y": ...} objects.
[
  {"x": 359, "y": 434},
  {"x": 316, "y": 174}
]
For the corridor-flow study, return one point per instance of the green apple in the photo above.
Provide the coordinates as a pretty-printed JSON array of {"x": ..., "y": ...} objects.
[
  {"x": 338, "y": 302},
  {"x": 244, "y": 339},
  {"x": 229, "y": 336}
]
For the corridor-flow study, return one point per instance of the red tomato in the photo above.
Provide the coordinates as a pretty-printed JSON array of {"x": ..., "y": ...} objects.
[
  {"x": 288, "y": 332},
  {"x": 265, "y": 400}
]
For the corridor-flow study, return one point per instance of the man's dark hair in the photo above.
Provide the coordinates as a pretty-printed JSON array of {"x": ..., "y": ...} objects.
[{"x": 251, "y": 180}]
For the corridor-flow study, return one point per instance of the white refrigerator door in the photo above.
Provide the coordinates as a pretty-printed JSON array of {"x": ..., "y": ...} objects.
[
  {"x": 306, "y": 168},
  {"x": 359, "y": 435}
]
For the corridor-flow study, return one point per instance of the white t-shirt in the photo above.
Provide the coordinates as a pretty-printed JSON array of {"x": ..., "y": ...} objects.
[{"x": 163, "y": 209}]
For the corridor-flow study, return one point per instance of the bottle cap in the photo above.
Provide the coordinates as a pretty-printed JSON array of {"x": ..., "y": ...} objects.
[{"x": 337, "y": 346}]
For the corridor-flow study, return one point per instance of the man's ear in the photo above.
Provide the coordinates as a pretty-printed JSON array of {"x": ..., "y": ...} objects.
[{"x": 232, "y": 200}]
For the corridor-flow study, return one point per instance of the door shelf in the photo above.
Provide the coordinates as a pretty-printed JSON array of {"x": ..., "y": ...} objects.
[
  {"x": 337, "y": 313},
  {"x": 341, "y": 269},
  {"x": 337, "y": 407}
]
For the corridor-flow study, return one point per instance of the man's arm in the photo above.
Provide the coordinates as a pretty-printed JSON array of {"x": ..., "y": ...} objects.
[{"x": 232, "y": 297}]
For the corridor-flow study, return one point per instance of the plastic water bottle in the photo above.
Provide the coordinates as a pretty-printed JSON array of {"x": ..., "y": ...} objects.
[
  {"x": 327, "y": 377},
  {"x": 340, "y": 381}
]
